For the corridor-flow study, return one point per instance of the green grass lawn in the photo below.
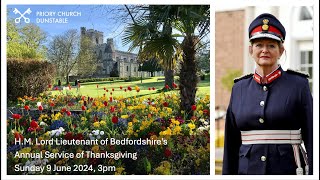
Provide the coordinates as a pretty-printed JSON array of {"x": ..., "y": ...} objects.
[{"x": 90, "y": 88}]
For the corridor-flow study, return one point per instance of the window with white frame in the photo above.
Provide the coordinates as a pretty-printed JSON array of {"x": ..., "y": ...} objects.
[{"x": 306, "y": 60}]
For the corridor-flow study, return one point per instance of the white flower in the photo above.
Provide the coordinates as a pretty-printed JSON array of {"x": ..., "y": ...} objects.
[
  {"x": 96, "y": 132},
  {"x": 27, "y": 163},
  {"x": 38, "y": 104},
  {"x": 43, "y": 123},
  {"x": 101, "y": 133}
]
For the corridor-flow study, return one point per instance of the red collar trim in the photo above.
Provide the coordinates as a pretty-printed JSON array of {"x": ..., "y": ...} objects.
[{"x": 270, "y": 77}]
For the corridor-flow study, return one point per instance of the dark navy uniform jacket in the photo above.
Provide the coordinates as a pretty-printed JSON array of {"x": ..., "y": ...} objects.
[{"x": 283, "y": 104}]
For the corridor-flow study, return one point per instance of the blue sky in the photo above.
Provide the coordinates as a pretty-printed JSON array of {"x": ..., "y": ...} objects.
[{"x": 96, "y": 17}]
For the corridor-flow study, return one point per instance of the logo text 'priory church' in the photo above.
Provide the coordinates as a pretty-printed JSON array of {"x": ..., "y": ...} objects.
[{"x": 46, "y": 17}]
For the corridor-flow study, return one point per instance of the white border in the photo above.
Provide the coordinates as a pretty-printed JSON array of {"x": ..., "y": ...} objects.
[{"x": 217, "y": 5}]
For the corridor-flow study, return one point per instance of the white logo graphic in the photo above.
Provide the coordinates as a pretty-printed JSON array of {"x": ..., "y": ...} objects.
[{"x": 26, "y": 20}]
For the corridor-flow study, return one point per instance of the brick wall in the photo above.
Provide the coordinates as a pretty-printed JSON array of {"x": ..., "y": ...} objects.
[{"x": 229, "y": 49}]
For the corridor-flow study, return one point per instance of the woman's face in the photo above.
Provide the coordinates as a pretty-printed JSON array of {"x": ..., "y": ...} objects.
[{"x": 266, "y": 52}]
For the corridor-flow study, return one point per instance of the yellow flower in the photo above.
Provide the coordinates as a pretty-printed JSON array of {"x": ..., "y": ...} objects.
[
  {"x": 177, "y": 130},
  {"x": 125, "y": 116},
  {"x": 55, "y": 150},
  {"x": 164, "y": 168},
  {"x": 198, "y": 162},
  {"x": 129, "y": 124},
  {"x": 25, "y": 150},
  {"x": 169, "y": 110},
  {"x": 95, "y": 148},
  {"x": 96, "y": 124},
  {"x": 154, "y": 137},
  {"x": 119, "y": 170},
  {"x": 134, "y": 120},
  {"x": 191, "y": 125},
  {"x": 103, "y": 123},
  {"x": 83, "y": 118}
]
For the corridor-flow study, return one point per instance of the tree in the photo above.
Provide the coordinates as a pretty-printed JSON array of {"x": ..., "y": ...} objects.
[
  {"x": 64, "y": 52},
  {"x": 192, "y": 23},
  {"x": 151, "y": 66},
  {"x": 25, "y": 42},
  {"x": 227, "y": 79},
  {"x": 154, "y": 39},
  {"x": 86, "y": 60},
  {"x": 203, "y": 60}
]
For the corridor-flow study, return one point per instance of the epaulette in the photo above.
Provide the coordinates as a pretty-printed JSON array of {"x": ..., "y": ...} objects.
[
  {"x": 300, "y": 73},
  {"x": 242, "y": 77}
]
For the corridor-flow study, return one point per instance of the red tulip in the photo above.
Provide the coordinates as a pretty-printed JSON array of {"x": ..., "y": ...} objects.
[
  {"x": 167, "y": 152},
  {"x": 167, "y": 87},
  {"x": 18, "y": 136},
  {"x": 68, "y": 136},
  {"x": 105, "y": 103},
  {"x": 120, "y": 87},
  {"x": 26, "y": 107},
  {"x": 16, "y": 116},
  {"x": 83, "y": 108},
  {"x": 40, "y": 108},
  {"x": 68, "y": 113},
  {"x": 34, "y": 124},
  {"x": 115, "y": 119},
  {"x": 165, "y": 104},
  {"x": 194, "y": 107},
  {"x": 174, "y": 85},
  {"x": 112, "y": 109}
]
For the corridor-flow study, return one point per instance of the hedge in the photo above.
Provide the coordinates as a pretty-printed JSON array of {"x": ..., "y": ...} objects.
[{"x": 28, "y": 77}]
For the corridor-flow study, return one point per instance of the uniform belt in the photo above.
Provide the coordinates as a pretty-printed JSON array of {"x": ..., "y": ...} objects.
[
  {"x": 271, "y": 137},
  {"x": 292, "y": 137}
]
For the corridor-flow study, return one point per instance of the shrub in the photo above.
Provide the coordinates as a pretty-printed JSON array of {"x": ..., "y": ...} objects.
[{"x": 28, "y": 77}]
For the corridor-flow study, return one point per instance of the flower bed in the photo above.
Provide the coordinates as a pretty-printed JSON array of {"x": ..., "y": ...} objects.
[{"x": 108, "y": 135}]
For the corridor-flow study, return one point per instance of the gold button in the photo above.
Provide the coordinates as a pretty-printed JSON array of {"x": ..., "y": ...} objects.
[
  {"x": 261, "y": 120},
  {"x": 265, "y": 88},
  {"x": 261, "y": 103},
  {"x": 263, "y": 158}
]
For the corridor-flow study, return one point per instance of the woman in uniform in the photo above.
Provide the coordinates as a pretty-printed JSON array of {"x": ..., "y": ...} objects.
[{"x": 268, "y": 126}]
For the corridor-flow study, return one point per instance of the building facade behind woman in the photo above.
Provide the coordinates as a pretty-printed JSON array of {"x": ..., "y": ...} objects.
[{"x": 270, "y": 111}]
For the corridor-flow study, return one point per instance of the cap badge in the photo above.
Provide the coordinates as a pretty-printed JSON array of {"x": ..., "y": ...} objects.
[{"x": 265, "y": 25}]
